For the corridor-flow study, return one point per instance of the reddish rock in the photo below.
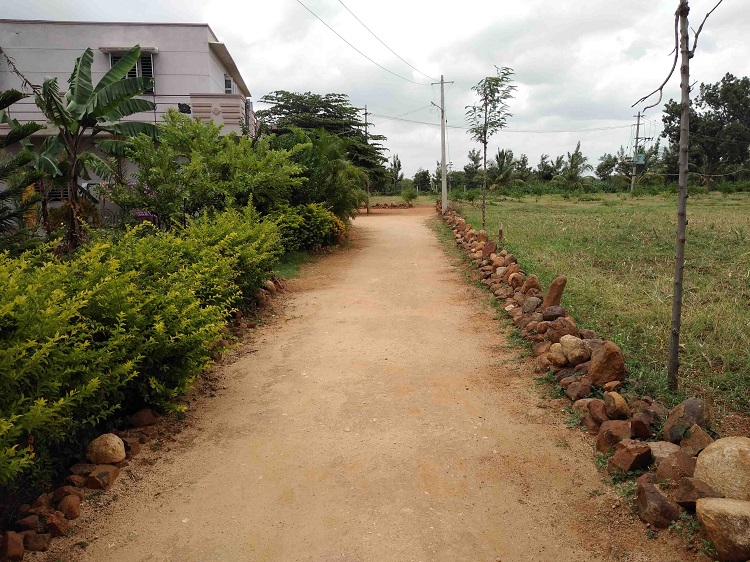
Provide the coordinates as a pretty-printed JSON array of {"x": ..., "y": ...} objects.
[
  {"x": 629, "y": 456},
  {"x": 582, "y": 368},
  {"x": 12, "y": 546},
  {"x": 102, "y": 477},
  {"x": 691, "y": 412},
  {"x": 657, "y": 409},
  {"x": 607, "y": 364},
  {"x": 598, "y": 411},
  {"x": 561, "y": 327},
  {"x": 587, "y": 334},
  {"x": 574, "y": 349},
  {"x": 696, "y": 439},
  {"x": 675, "y": 467},
  {"x": 579, "y": 389},
  {"x": 582, "y": 406},
  {"x": 132, "y": 446},
  {"x": 552, "y": 313},
  {"x": 70, "y": 507},
  {"x": 143, "y": 418},
  {"x": 531, "y": 284},
  {"x": 556, "y": 356},
  {"x": 690, "y": 490},
  {"x": 37, "y": 542},
  {"x": 653, "y": 506},
  {"x": 612, "y": 386},
  {"x": 489, "y": 248},
  {"x": 531, "y": 304},
  {"x": 57, "y": 525},
  {"x": 640, "y": 426},
  {"x": 28, "y": 523},
  {"x": 567, "y": 381},
  {"x": 611, "y": 433},
  {"x": 516, "y": 280},
  {"x": 591, "y": 425},
  {"x": 542, "y": 363},
  {"x": 555, "y": 292},
  {"x": 616, "y": 406},
  {"x": 75, "y": 480},
  {"x": 727, "y": 526},
  {"x": 82, "y": 469},
  {"x": 63, "y": 491},
  {"x": 106, "y": 449}
]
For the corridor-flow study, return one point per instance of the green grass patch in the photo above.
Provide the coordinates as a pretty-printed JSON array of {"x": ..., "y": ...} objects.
[
  {"x": 291, "y": 263},
  {"x": 618, "y": 254}
]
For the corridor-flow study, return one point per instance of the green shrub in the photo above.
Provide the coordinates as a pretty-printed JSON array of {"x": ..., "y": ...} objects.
[
  {"x": 306, "y": 226},
  {"x": 409, "y": 194}
]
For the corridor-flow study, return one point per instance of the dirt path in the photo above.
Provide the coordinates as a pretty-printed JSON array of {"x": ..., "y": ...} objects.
[{"x": 381, "y": 419}]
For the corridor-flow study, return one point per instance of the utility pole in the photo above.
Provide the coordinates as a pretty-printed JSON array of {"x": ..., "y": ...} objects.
[
  {"x": 443, "y": 171},
  {"x": 367, "y": 141},
  {"x": 635, "y": 153}
]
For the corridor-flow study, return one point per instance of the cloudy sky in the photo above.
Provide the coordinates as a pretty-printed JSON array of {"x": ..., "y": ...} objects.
[{"x": 577, "y": 65}]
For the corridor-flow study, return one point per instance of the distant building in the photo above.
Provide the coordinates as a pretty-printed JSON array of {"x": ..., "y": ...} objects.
[{"x": 192, "y": 70}]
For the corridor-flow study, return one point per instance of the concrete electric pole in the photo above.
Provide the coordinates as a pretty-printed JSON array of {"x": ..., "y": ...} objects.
[
  {"x": 635, "y": 153},
  {"x": 442, "y": 83}
]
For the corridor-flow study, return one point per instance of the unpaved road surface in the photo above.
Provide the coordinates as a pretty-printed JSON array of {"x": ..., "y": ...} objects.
[{"x": 381, "y": 417}]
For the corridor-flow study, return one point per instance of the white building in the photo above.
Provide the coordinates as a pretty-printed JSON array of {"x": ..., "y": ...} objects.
[{"x": 191, "y": 69}]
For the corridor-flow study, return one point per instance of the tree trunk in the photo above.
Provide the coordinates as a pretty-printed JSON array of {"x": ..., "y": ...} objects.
[
  {"x": 679, "y": 263},
  {"x": 45, "y": 210},
  {"x": 75, "y": 231}
]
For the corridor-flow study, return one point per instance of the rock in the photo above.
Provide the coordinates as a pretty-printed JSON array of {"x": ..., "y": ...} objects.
[
  {"x": 691, "y": 412},
  {"x": 555, "y": 292},
  {"x": 676, "y": 466},
  {"x": 489, "y": 248},
  {"x": 269, "y": 286},
  {"x": 598, "y": 411},
  {"x": 574, "y": 349},
  {"x": 661, "y": 450},
  {"x": 582, "y": 406},
  {"x": 63, "y": 491},
  {"x": 629, "y": 456},
  {"x": 653, "y": 506},
  {"x": 640, "y": 426},
  {"x": 75, "y": 480},
  {"x": 657, "y": 409},
  {"x": 588, "y": 334},
  {"x": 516, "y": 280},
  {"x": 615, "y": 406},
  {"x": 556, "y": 356},
  {"x": 579, "y": 389},
  {"x": 44, "y": 501},
  {"x": 12, "y": 546},
  {"x": 143, "y": 418},
  {"x": 57, "y": 525},
  {"x": 28, "y": 523},
  {"x": 565, "y": 382},
  {"x": 561, "y": 327},
  {"x": 610, "y": 434},
  {"x": 82, "y": 469},
  {"x": 582, "y": 368},
  {"x": 102, "y": 477},
  {"x": 612, "y": 386},
  {"x": 132, "y": 446},
  {"x": 106, "y": 449},
  {"x": 531, "y": 284},
  {"x": 607, "y": 364},
  {"x": 725, "y": 466},
  {"x": 552, "y": 313},
  {"x": 531, "y": 304},
  {"x": 690, "y": 490},
  {"x": 541, "y": 348},
  {"x": 70, "y": 507},
  {"x": 591, "y": 425},
  {"x": 37, "y": 542},
  {"x": 727, "y": 526},
  {"x": 696, "y": 439}
]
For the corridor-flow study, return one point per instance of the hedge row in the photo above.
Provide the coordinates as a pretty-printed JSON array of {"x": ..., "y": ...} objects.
[{"x": 121, "y": 324}]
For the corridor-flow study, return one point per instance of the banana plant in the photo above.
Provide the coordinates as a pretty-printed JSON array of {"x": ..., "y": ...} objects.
[{"x": 86, "y": 111}]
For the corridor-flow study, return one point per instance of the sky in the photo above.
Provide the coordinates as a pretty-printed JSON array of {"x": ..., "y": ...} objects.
[{"x": 578, "y": 66}]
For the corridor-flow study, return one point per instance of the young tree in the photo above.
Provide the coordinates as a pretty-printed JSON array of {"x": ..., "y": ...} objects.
[
  {"x": 490, "y": 115},
  {"x": 471, "y": 170},
  {"x": 422, "y": 180},
  {"x": 394, "y": 172}
]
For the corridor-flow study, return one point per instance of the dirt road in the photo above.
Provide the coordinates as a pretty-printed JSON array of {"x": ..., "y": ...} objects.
[{"x": 380, "y": 419}]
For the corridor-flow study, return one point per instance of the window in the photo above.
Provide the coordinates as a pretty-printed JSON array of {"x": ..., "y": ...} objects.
[
  {"x": 228, "y": 84},
  {"x": 144, "y": 68}
]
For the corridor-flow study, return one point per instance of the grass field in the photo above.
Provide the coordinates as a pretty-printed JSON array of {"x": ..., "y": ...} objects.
[
  {"x": 420, "y": 201},
  {"x": 618, "y": 254}
]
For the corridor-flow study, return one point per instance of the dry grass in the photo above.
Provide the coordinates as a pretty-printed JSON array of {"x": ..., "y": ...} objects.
[{"x": 618, "y": 254}]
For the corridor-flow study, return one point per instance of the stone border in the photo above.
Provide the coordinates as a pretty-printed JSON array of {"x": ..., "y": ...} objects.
[{"x": 685, "y": 470}]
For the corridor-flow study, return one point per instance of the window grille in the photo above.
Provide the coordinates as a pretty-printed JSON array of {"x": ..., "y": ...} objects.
[{"x": 143, "y": 68}]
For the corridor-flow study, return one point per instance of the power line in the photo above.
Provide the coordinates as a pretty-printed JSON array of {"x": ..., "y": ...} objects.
[
  {"x": 383, "y": 43},
  {"x": 407, "y": 113},
  {"x": 355, "y": 48}
]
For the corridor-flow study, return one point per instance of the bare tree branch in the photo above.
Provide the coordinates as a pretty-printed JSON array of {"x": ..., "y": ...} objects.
[
  {"x": 700, "y": 28},
  {"x": 676, "y": 51},
  {"x": 26, "y": 84}
]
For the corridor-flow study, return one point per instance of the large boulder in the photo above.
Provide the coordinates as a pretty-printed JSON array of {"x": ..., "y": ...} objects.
[
  {"x": 725, "y": 466},
  {"x": 727, "y": 526},
  {"x": 607, "y": 364},
  {"x": 574, "y": 349},
  {"x": 691, "y": 412},
  {"x": 106, "y": 449}
]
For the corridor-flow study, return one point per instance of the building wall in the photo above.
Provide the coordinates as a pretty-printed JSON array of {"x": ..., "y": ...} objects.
[{"x": 183, "y": 64}]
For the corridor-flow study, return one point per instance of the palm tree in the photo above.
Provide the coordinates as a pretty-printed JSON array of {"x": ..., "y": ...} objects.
[
  {"x": 504, "y": 167},
  {"x": 573, "y": 169},
  {"x": 87, "y": 111}
]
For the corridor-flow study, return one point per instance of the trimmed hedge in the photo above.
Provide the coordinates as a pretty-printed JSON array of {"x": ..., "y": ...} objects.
[{"x": 306, "y": 226}]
